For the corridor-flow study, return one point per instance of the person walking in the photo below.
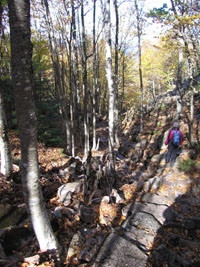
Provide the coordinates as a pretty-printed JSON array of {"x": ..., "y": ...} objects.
[{"x": 174, "y": 141}]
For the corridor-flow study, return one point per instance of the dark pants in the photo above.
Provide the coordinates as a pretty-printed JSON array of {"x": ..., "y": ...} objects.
[{"x": 172, "y": 154}]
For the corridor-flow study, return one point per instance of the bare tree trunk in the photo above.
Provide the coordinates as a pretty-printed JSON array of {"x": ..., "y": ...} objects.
[
  {"x": 76, "y": 75},
  {"x": 191, "y": 121},
  {"x": 94, "y": 143},
  {"x": 97, "y": 96},
  {"x": 179, "y": 84},
  {"x": 191, "y": 88},
  {"x": 85, "y": 85},
  {"x": 72, "y": 87},
  {"x": 71, "y": 102},
  {"x": 6, "y": 159},
  {"x": 123, "y": 82},
  {"x": 140, "y": 63},
  {"x": 21, "y": 57},
  {"x": 110, "y": 83},
  {"x": 116, "y": 107}
]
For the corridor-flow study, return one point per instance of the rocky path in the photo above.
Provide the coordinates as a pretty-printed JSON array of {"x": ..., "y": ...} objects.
[{"x": 163, "y": 224}]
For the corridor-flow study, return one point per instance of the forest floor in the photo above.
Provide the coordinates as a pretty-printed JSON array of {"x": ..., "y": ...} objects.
[{"x": 18, "y": 241}]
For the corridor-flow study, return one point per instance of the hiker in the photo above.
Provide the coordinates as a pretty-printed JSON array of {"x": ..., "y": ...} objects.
[{"x": 174, "y": 141}]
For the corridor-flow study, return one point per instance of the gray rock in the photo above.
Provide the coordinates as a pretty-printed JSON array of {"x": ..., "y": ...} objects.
[
  {"x": 64, "y": 211},
  {"x": 158, "y": 211},
  {"x": 141, "y": 237},
  {"x": 91, "y": 247},
  {"x": 65, "y": 191},
  {"x": 144, "y": 220},
  {"x": 156, "y": 199},
  {"x": 119, "y": 251},
  {"x": 71, "y": 170},
  {"x": 161, "y": 213},
  {"x": 152, "y": 184},
  {"x": 157, "y": 158},
  {"x": 76, "y": 242},
  {"x": 58, "y": 212}
]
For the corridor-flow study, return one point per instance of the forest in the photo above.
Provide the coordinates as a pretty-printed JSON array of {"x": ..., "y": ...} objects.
[{"x": 89, "y": 93}]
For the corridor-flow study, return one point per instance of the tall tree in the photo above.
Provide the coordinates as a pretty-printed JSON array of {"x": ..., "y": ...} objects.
[
  {"x": 6, "y": 159},
  {"x": 139, "y": 33},
  {"x": 110, "y": 82},
  {"x": 21, "y": 59},
  {"x": 85, "y": 83},
  {"x": 179, "y": 83},
  {"x": 76, "y": 72},
  {"x": 94, "y": 85},
  {"x": 116, "y": 107}
]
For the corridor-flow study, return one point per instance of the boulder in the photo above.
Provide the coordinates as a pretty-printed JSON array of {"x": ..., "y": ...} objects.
[
  {"x": 116, "y": 253},
  {"x": 65, "y": 191},
  {"x": 157, "y": 158},
  {"x": 75, "y": 244}
]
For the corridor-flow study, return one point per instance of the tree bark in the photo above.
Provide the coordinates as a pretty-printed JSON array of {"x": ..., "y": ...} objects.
[
  {"x": 21, "y": 59},
  {"x": 116, "y": 107},
  {"x": 94, "y": 78},
  {"x": 123, "y": 82},
  {"x": 179, "y": 84},
  {"x": 85, "y": 84},
  {"x": 140, "y": 63},
  {"x": 110, "y": 83},
  {"x": 76, "y": 75},
  {"x": 6, "y": 159}
]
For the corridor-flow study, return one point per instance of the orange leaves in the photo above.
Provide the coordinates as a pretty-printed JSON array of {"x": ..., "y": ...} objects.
[
  {"x": 108, "y": 212},
  {"x": 129, "y": 190}
]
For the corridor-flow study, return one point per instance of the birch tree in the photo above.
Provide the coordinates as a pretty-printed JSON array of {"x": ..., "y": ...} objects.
[
  {"x": 109, "y": 76},
  {"x": 116, "y": 107},
  {"x": 94, "y": 77},
  {"x": 139, "y": 33},
  {"x": 85, "y": 84},
  {"x": 6, "y": 159},
  {"x": 76, "y": 73},
  {"x": 21, "y": 59}
]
